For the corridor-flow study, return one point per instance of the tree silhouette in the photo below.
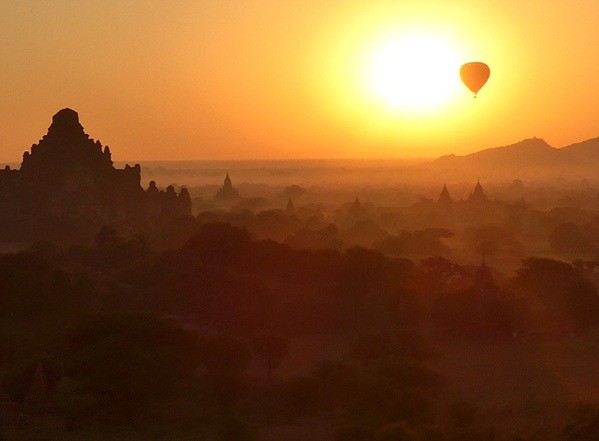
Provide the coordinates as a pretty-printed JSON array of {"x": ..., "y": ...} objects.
[
  {"x": 568, "y": 238},
  {"x": 218, "y": 243},
  {"x": 124, "y": 361},
  {"x": 272, "y": 349},
  {"x": 559, "y": 297}
]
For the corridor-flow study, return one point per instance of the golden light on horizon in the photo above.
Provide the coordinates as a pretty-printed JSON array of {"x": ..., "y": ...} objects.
[{"x": 342, "y": 78}]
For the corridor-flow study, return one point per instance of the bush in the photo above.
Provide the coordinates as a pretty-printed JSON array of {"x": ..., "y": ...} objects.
[{"x": 271, "y": 348}]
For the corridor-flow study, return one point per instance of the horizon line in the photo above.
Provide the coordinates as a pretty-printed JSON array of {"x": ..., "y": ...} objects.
[{"x": 129, "y": 161}]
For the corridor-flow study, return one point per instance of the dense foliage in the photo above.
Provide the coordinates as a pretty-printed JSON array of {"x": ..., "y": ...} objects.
[{"x": 132, "y": 337}]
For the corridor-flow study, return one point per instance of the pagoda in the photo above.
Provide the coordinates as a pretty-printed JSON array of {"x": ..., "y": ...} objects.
[
  {"x": 227, "y": 193},
  {"x": 445, "y": 201},
  {"x": 68, "y": 182}
]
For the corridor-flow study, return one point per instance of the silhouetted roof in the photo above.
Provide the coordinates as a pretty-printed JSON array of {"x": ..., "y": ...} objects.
[{"x": 444, "y": 197}]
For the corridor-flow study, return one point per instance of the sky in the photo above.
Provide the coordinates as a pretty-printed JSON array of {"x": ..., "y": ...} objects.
[{"x": 298, "y": 79}]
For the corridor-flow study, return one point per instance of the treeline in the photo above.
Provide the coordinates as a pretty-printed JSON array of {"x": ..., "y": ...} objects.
[
  {"x": 223, "y": 280},
  {"x": 128, "y": 336}
]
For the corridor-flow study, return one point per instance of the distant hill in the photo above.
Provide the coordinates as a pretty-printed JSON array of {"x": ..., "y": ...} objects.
[
  {"x": 582, "y": 152},
  {"x": 530, "y": 156}
]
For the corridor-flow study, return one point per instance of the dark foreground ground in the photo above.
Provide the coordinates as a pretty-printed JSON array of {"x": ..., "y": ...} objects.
[{"x": 530, "y": 388}]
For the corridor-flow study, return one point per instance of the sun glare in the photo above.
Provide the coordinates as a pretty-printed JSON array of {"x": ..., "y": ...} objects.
[{"x": 412, "y": 72}]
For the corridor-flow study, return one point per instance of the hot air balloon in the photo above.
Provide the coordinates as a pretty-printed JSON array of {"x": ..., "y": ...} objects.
[{"x": 474, "y": 75}]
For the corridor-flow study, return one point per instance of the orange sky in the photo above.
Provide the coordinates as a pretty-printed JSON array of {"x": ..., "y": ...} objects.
[{"x": 242, "y": 79}]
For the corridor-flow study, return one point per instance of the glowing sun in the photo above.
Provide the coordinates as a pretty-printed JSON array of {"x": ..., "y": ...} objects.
[{"x": 413, "y": 72}]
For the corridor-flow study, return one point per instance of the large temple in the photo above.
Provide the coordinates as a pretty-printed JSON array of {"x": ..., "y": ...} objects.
[{"x": 68, "y": 182}]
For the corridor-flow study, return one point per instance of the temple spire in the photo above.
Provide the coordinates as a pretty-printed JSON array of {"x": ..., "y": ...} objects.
[
  {"x": 444, "y": 198},
  {"x": 290, "y": 208}
]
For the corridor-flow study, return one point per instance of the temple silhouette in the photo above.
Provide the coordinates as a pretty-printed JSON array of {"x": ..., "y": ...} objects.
[
  {"x": 67, "y": 185},
  {"x": 227, "y": 193}
]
